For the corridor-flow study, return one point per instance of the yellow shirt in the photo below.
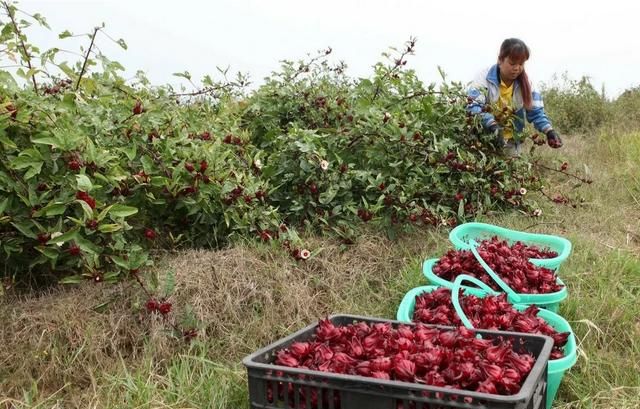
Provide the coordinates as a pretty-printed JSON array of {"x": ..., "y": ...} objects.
[{"x": 505, "y": 100}]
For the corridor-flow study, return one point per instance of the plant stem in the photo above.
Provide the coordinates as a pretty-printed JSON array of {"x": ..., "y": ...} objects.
[
  {"x": 22, "y": 45},
  {"x": 86, "y": 58},
  {"x": 583, "y": 180}
]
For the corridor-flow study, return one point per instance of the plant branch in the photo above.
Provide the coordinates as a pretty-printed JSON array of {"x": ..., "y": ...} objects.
[
  {"x": 583, "y": 180},
  {"x": 359, "y": 137},
  {"x": 418, "y": 94},
  {"x": 203, "y": 91},
  {"x": 398, "y": 63},
  {"x": 26, "y": 55},
  {"x": 86, "y": 58},
  {"x": 543, "y": 223},
  {"x": 305, "y": 67}
]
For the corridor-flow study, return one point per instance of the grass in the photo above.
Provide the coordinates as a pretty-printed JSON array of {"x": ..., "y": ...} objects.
[{"x": 60, "y": 353}]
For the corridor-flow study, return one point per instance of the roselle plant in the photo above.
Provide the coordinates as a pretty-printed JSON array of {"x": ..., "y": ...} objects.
[
  {"x": 388, "y": 150},
  {"x": 96, "y": 170}
]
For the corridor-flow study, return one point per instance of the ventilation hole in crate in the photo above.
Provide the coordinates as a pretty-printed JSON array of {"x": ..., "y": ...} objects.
[
  {"x": 405, "y": 404},
  {"x": 269, "y": 391}
]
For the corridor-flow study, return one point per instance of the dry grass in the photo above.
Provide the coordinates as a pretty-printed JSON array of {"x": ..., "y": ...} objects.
[
  {"x": 248, "y": 296},
  {"x": 242, "y": 297},
  {"x": 57, "y": 341}
]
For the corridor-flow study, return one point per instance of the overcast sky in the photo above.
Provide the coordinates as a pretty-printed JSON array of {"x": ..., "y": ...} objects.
[{"x": 597, "y": 39}]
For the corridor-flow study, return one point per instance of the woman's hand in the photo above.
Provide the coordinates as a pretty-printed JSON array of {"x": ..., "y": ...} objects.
[
  {"x": 497, "y": 135},
  {"x": 553, "y": 139}
]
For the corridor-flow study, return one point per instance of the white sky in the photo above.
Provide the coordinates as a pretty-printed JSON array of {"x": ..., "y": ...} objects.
[{"x": 598, "y": 39}]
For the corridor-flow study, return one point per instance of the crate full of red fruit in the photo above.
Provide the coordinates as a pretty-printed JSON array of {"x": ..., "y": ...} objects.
[
  {"x": 353, "y": 362},
  {"x": 503, "y": 266},
  {"x": 544, "y": 250}
]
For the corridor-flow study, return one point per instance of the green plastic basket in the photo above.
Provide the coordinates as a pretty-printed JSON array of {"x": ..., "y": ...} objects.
[
  {"x": 556, "y": 368},
  {"x": 462, "y": 234},
  {"x": 549, "y": 301}
]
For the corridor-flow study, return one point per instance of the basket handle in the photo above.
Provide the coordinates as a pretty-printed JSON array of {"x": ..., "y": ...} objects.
[
  {"x": 455, "y": 296},
  {"x": 513, "y": 296}
]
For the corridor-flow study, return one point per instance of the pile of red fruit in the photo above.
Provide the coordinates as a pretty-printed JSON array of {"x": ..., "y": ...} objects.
[
  {"x": 445, "y": 358},
  {"x": 510, "y": 262},
  {"x": 519, "y": 248},
  {"x": 490, "y": 312}
]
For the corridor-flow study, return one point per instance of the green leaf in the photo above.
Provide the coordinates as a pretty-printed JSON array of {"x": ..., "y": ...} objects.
[
  {"x": 121, "y": 262},
  {"x": 35, "y": 170},
  {"x": 24, "y": 161},
  {"x": 122, "y": 44},
  {"x": 84, "y": 183},
  {"x": 75, "y": 279},
  {"x": 8, "y": 81},
  {"x": 25, "y": 229},
  {"x": 102, "y": 307},
  {"x": 327, "y": 196},
  {"x": 86, "y": 245},
  {"x": 48, "y": 252},
  {"x": 104, "y": 212},
  {"x": 53, "y": 209},
  {"x": 8, "y": 143},
  {"x": 130, "y": 151},
  {"x": 137, "y": 259},
  {"x": 70, "y": 235},
  {"x": 170, "y": 283},
  {"x": 147, "y": 164},
  {"x": 185, "y": 74},
  {"x": 65, "y": 34},
  {"x": 111, "y": 276},
  {"x": 64, "y": 67},
  {"x": 109, "y": 228},
  {"x": 88, "y": 211},
  {"x": 120, "y": 210},
  {"x": 3, "y": 205},
  {"x": 47, "y": 140}
]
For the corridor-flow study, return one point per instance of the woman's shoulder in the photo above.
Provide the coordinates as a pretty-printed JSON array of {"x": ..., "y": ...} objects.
[{"x": 480, "y": 78}]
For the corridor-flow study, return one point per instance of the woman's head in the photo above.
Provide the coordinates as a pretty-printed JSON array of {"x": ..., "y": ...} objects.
[{"x": 513, "y": 54}]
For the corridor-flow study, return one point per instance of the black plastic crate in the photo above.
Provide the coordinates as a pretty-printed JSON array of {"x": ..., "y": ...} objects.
[{"x": 339, "y": 391}]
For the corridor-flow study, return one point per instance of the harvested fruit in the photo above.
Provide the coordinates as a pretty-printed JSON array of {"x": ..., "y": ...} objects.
[
  {"x": 510, "y": 262},
  {"x": 490, "y": 312},
  {"x": 432, "y": 356}
]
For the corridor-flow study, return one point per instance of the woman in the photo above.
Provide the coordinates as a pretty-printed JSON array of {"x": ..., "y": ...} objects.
[{"x": 506, "y": 87}]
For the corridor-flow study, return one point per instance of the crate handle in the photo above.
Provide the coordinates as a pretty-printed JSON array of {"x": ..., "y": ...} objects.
[
  {"x": 455, "y": 296},
  {"x": 512, "y": 295}
]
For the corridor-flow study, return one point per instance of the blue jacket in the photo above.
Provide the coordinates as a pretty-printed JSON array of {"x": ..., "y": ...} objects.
[{"x": 487, "y": 84}]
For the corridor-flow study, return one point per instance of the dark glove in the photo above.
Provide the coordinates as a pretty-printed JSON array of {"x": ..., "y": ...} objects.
[
  {"x": 497, "y": 135},
  {"x": 553, "y": 139}
]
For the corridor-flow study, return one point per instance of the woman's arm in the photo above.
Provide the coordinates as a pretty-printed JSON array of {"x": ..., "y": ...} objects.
[
  {"x": 536, "y": 114},
  {"x": 476, "y": 102}
]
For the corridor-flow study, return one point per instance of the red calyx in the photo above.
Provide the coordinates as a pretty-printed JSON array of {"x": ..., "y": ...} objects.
[{"x": 150, "y": 234}]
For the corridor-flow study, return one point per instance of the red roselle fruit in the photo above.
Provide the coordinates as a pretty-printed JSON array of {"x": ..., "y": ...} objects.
[
  {"x": 511, "y": 263},
  {"x": 84, "y": 196},
  {"x": 490, "y": 312},
  {"x": 450, "y": 358},
  {"x": 137, "y": 108},
  {"x": 150, "y": 233},
  {"x": 74, "y": 164}
]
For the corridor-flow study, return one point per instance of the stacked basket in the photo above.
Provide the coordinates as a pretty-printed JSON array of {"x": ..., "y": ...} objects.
[{"x": 466, "y": 237}]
